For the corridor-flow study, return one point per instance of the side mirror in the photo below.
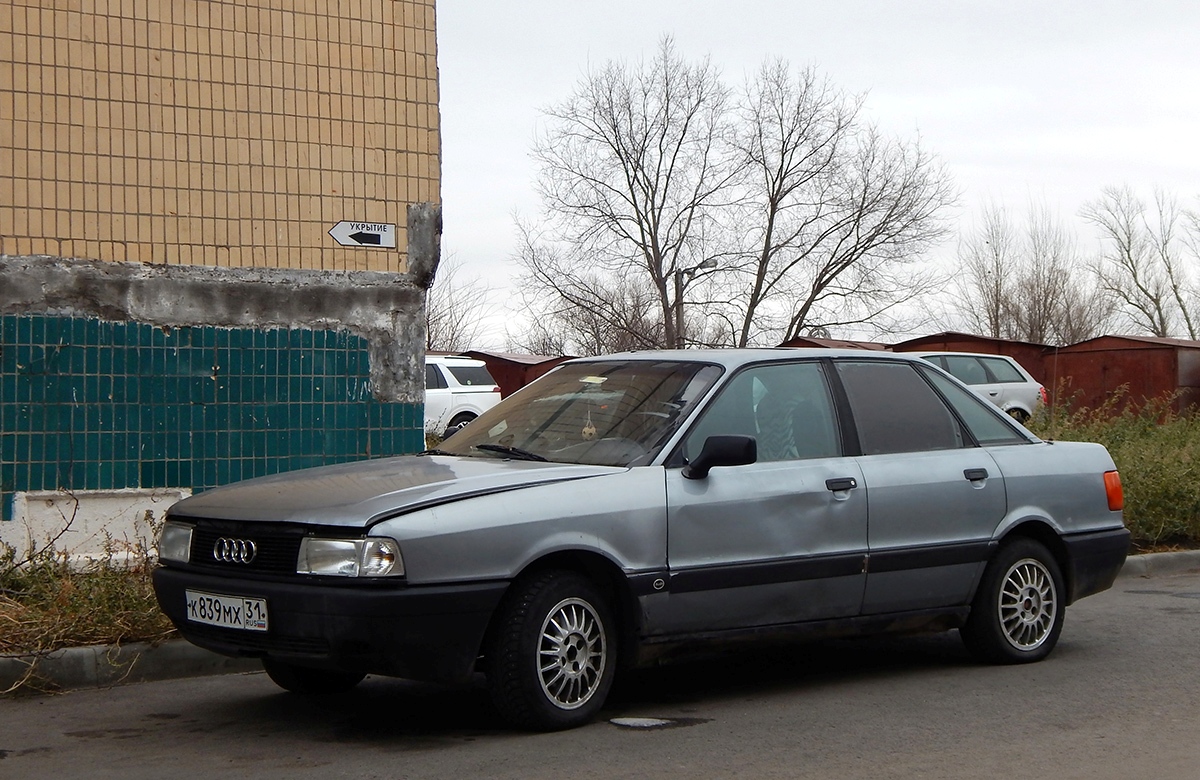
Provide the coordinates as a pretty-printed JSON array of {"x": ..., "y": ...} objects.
[{"x": 724, "y": 450}]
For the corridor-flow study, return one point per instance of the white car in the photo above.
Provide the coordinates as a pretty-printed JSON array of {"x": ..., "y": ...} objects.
[
  {"x": 457, "y": 390},
  {"x": 998, "y": 378}
]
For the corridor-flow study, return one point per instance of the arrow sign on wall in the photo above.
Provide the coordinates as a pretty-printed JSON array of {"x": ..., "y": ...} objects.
[{"x": 368, "y": 234}]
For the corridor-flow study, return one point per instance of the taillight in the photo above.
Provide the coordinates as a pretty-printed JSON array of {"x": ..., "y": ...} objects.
[
  {"x": 1112, "y": 487},
  {"x": 1045, "y": 396}
]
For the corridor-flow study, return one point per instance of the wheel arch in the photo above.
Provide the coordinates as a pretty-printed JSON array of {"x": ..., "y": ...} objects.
[
  {"x": 1042, "y": 532},
  {"x": 603, "y": 573},
  {"x": 1018, "y": 411}
]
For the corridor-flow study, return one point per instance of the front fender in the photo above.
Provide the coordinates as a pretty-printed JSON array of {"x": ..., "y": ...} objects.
[{"x": 620, "y": 516}]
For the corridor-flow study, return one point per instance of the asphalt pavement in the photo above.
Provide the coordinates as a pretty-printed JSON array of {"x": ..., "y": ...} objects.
[{"x": 1119, "y": 698}]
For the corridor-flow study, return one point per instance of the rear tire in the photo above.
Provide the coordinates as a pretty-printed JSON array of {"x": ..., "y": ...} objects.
[
  {"x": 1019, "y": 415},
  {"x": 308, "y": 681},
  {"x": 552, "y": 657},
  {"x": 458, "y": 422},
  {"x": 1019, "y": 608}
]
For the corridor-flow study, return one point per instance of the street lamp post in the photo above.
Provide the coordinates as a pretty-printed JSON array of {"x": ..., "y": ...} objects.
[{"x": 680, "y": 286}]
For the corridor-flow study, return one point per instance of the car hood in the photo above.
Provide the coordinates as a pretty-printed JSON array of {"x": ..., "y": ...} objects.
[{"x": 358, "y": 494}]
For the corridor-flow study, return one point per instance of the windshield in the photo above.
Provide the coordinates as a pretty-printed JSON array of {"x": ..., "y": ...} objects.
[{"x": 616, "y": 413}]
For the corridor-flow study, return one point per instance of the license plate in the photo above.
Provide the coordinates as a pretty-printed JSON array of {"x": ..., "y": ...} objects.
[{"x": 215, "y": 609}]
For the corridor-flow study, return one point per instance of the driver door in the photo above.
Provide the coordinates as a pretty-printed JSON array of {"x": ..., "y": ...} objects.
[{"x": 778, "y": 541}]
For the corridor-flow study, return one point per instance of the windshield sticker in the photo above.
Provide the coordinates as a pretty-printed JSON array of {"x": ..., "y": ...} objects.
[
  {"x": 593, "y": 380},
  {"x": 498, "y": 429}
]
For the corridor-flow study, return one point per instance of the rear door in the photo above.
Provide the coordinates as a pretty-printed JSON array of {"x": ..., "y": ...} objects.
[
  {"x": 934, "y": 496},
  {"x": 779, "y": 541},
  {"x": 1015, "y": 389},
  {"x": 970, "y": 371}
]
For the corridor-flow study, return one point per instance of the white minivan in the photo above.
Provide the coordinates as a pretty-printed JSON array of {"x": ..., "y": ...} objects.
[{"x": 457, "y": 390}]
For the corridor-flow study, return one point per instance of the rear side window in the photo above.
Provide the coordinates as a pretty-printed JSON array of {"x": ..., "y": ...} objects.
[
  {"x": 1003, "y": 370},
  {"x": 896, "y": 410},
  {"x": 980, "y": 417},
  {"x": 967, "y": 370},
  {"x": 471, "y": 375}
]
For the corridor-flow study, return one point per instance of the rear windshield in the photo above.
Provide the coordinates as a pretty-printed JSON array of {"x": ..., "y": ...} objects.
[{"x": 471, "y": 375}]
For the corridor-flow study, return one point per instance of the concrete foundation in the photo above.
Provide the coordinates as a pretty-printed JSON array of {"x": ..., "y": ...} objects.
[{"x": 86, "y": 525}]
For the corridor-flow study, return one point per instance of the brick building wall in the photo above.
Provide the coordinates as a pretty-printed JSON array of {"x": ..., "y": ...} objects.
[
  {"x": 174, "y": 312},
  {"x": 214, "y": 132}
]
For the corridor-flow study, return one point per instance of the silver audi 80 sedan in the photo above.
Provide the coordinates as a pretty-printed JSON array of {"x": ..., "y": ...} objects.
[{"x": 628, "y": 507}]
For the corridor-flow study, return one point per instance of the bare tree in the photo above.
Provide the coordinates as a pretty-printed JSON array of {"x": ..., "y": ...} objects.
[
  {"x": 630, "y": 171},
  {"x": 1029, "y": 282},
  {"x": 1144, "y": 263},
  {"x": 1048, "y": 285},
  {"x": 583, "y": 312},
  {"x": 837, "y": 212},
  {"x": 456, "y": 309},
  {"x": 988, "y": 259},
  {"x": 749, "y": 222}
]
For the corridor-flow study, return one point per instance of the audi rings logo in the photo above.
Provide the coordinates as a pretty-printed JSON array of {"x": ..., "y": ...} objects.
[{"x": 235, "y": 550}]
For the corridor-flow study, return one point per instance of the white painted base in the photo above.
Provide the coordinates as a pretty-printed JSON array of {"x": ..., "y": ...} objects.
[{"x": 88, "y": 524}]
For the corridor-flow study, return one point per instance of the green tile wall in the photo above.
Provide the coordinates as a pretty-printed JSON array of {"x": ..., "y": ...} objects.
[{"x": 87, "y": 404}]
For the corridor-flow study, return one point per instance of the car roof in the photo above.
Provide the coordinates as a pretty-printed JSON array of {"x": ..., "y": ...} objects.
[
  {"x": 735, "y": 358},
  {"x": 968, "y": 354},
  {"x": 466, "y": 361}
]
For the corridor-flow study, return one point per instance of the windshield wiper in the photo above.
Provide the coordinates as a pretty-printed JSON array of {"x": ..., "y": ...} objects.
[
  {"x": 512, "y": 452},
  {"x": 436, "y": 452}
]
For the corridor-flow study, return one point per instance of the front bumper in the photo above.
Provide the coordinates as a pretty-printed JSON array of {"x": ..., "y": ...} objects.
[
  {"x": 1095, "y": 559},
  {"x": 424, "y": 633}
]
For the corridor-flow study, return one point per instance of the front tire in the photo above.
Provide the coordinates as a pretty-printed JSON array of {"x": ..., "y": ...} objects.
[
  {"x": 553, "y": 655},
  {"x": 308, "y": 681},
  {"x": 1018, "y": 611}
]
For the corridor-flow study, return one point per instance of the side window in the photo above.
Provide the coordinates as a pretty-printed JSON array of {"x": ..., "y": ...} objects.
[
  {"x": 1002, "y": 370},
  {"x": 896, "y": 410},
  {"x": 787, "y": 408},
  {"x": 967, "y": 370},
  {"x": 433, "y": 377},
  {"x": 982, "y": 419}
]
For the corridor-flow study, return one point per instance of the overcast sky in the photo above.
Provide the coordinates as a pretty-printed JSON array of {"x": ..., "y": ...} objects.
[{"x": 1049, "y": 100}]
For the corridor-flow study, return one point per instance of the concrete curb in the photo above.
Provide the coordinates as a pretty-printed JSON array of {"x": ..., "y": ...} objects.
[
  {"x": 107, "y": 665},
  {"x": 1161, "y": 564},
  {"x": 102, "y": 666}
]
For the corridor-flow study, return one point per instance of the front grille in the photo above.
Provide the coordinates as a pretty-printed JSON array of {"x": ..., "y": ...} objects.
[{"x": 276, "y": 547}]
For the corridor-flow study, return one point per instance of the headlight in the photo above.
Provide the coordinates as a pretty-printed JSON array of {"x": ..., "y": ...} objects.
[
  {"x": 175, "y": 542},
  {"x": 371, "y": 557}
]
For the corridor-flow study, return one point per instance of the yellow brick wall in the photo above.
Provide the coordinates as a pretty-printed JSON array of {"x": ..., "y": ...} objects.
[{"x": 215, "y": 132}]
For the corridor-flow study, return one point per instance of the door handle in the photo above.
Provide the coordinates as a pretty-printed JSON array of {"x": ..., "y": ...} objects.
[
  {"x": 975, "y": 474},
  {"x": 843, "y": 483}
]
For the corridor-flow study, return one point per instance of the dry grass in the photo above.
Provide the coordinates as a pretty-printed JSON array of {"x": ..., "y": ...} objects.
[{"x": 48, "y": 603}]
